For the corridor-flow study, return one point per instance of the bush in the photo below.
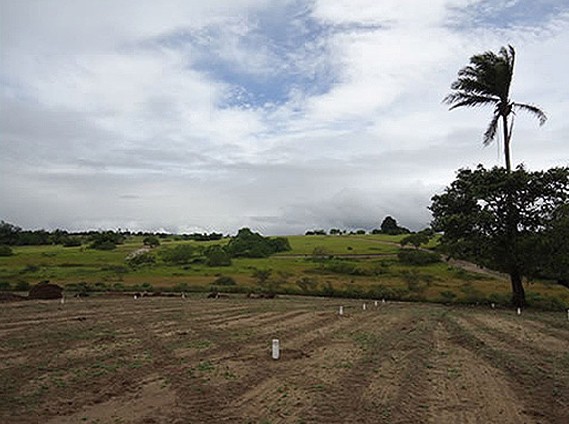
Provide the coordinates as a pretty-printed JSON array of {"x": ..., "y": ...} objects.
[
  {"x": 502, "y": 299},
  {"x": 6, "y": 250},
  {"x": 103, "y": 245},
  {"x": 448, "y": 296},
  {"x": 141, "y": 259},
  {"x": 253, "y": 245},
  {"x": 217, "y": 256},
  {"x": 119, "y": 287},
  {"x": 181, "y": 287},
  {"x": 549, "y": 303},
  {"x": 307, "y": 284},
  {"x": 417, "y": 257},
  {"x": 22, "y": 286},
  {"x": 224, "y": 280},
  {"x": 5, "y": 286},
  {"x": 151, "y": 241},
  {"x": 179, "y": 255},
  {"x": 320, "y": 253},
  {"x": 71, "y": 242}
]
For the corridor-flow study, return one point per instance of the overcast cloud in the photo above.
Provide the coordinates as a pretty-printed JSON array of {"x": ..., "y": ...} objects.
[{"x": 281, "y": 116}]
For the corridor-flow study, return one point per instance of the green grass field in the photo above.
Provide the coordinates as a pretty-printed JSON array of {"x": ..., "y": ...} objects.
[{"x": 362, "y": 265}]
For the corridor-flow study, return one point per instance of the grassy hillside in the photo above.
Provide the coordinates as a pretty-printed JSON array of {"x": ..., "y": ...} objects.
[{"x": 352, "y": 266}]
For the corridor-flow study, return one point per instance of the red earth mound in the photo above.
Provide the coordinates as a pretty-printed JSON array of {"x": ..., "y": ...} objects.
[{"x": 45, "y": 290}]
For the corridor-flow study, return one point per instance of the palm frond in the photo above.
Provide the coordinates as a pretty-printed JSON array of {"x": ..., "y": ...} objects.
[
  {"x": 491, "y": 130},
  {"x": 460, "y": 99},
  {"x": 534, "y": 110}
]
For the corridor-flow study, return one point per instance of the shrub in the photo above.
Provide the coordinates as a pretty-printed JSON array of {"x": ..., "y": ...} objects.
[
  {"x": 550, "y": 303},
  {"x": 448, "y": 296},
  {"x": 502, "y": 299},
  {"x": 307, "y": 284},
  {"x": 6, "y": 250},
  {"x": 417, "y": 257},
  {"x": 30, "y": 268},
  {"x": 320, "y": 253},
  {"x": 5, "y": 286},
  {"x": 217, "y": 256},
  {"x": 22, "y": 286},
  {"x": 181, "y": 254},
  {"x": 253, "y": 245},
  {"x": 416, "y": 240},
  {"x": 71, "y": 242},
  {"x": 224, "y": 280},
  {"x": 379, "y": 291},
  {"x": 141, "y": 259},
  {"x": 119, "y": 286},
  {"x": 181, "y": 287},
  {"x": 103, "y": 245},
  {"x": 151, "y": 241}
]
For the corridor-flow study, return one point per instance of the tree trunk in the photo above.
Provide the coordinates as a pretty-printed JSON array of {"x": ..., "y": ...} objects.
[
  {"x": 506, "y": 142},
  {"x": 518, "y": 292}
]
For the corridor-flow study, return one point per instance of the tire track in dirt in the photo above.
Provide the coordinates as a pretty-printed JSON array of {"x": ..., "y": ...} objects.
[
  {"x": 525, "y": 332},
  {"x": 467, "y": 389},
  {"x": 260, "y": 373},
  {"x": 358, "y": 396},
  {"x": 541, "y": 383}
]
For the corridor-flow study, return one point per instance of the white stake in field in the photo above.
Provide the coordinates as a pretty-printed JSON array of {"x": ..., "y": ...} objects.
[{"x": 276, "y": 349}]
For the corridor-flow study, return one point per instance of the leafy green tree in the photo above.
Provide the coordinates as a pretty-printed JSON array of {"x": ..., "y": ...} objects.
[
  {"x": 254, "y": 245},
  {"x": 151, "y": 241},
  {"x": 6, "y": 250},
  {"x": 9, "y": 233},
  {"x": 486, "y": 82},
  {"x": 416, "y": 239},
  {"x": 141, "y": 259},
  {"x": 106, "y": 240},
  {"x": 178, "y": 255},
  {"x": 553, "y": 248},
  {"x": 504, "y": 219},
  {"x": 217, "y": 256},
  {"x": 389, "y": 226}
]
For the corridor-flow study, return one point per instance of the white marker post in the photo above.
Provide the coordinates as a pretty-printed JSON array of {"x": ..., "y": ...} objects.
[
  {"x": 382, "y": 300},
  {"x": 519, "y": 311},
  {"x": 276, "y": 349},
  {"x": 364, "y": 306},
  {"x": 183, "y": 295},
  {"x": 493, "y": 305},
  {"x": 567, "y": 314},
  {"x": 341, "y": 311},
  {"x": 62, "y": 301},
  {"x": 375, "y": 303}
]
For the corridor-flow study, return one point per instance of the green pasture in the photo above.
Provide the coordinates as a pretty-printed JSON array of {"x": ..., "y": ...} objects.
[
  {"x": 377, "y": 270},
  {"x": 344, "y": 244}
]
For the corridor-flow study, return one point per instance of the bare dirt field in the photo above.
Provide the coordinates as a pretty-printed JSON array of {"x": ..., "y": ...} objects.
[{"x": 170, "y": 360}]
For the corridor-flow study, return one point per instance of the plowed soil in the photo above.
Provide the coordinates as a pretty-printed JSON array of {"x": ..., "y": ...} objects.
[{"x": 197, "y": 360}]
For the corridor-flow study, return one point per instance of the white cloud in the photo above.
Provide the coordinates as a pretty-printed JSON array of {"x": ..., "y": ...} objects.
[{"x": 131, "y": 118}]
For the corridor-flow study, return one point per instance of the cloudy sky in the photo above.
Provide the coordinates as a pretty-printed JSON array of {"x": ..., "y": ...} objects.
[{"x": 185, "y": 115}]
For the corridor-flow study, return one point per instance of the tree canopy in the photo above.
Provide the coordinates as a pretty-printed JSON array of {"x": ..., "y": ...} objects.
[
  {"x": 507, "y": 221},
  {"x": 253, "y": 245}
]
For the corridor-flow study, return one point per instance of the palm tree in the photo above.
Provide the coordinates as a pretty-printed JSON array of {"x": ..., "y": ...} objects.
[{"x": 486, "y": 81}]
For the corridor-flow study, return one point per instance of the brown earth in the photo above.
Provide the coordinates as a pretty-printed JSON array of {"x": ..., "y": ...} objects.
[
  {"x": 45, "y": 290},
  {"x": 169, "y": 360}
]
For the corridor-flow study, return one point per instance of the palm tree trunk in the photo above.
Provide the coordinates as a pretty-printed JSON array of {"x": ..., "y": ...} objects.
[{"x": 506, "y": 143}]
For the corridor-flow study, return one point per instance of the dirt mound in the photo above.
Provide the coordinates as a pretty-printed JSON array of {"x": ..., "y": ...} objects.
[
  {"x": 11, "y": 297},
  {"x": 45, "y": 290}
]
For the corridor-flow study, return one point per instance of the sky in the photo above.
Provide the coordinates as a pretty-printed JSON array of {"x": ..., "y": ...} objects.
[{"x": 281, "y": 116}]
